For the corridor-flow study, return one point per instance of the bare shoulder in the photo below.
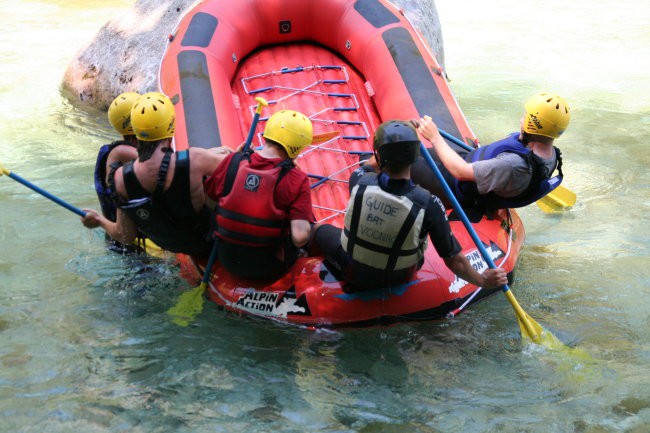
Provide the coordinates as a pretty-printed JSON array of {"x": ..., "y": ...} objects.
[{"x": 207, "y": 160}]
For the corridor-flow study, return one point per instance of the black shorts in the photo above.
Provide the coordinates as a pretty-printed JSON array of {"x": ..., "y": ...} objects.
[
  {"x": 359, "y": 276},
  {"x": 257, "y": 263}
]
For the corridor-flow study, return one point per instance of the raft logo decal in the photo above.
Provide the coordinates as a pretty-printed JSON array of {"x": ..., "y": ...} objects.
[
  {"x": 252, "y": 182},
  {"x": 143, "y": 214},
  {"x": 477, "y": 262},
  {"x": 273, "y": 304}
]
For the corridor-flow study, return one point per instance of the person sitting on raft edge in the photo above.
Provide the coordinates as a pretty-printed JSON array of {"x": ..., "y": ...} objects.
[
  {"x": 510, "y": 173},
  {"x": 264, "y": 210},
  {"x": 373, "y": 252},
  {"x": 160, "y": 195}
]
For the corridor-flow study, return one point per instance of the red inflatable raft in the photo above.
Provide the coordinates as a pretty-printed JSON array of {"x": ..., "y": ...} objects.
[{"x": 348, "y": 65}]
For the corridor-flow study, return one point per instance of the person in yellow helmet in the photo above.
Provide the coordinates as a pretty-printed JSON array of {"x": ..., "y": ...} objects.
[
  {"x": 264, "y": 207},
  {"x": 113, "y": 155},
  {"x": 512, "y": 172},
  {"x": 157, "y": 194}
]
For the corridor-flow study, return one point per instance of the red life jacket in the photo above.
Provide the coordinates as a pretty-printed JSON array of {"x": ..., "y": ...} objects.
[{"x": 246, "y": 212}]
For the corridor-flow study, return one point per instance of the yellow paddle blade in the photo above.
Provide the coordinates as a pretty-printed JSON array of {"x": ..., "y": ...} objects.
[
  {"x": 530, "y": 329},
  {"x": 3, "y": 170},
  {"x": 321, "y": 138},
  {"x": 154, "y": 250},
  {"x": 538, "y": 334},
  {"x": 557, "y": 200},
  {"x": 547, "y": 207},
  {"x": 576, "y": 363},
  {"x": 534, "y": 333},
  {"x": 189, "y": 305}
]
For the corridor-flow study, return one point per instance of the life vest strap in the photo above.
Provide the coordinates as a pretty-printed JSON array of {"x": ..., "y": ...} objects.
[
  {"x": 247, "y": 219},
  {"x": 378, "y": 248},
  {"x": 249, "y": 239}
]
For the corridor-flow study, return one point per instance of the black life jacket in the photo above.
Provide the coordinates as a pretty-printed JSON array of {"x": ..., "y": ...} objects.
[
  {"x": 384, "y": 230},
  {"x": 168, "y": 217},
  {"x": 246, "y": 211},
  {"x": 104, "y": 192},
  {"x": 541, "y": 182}
]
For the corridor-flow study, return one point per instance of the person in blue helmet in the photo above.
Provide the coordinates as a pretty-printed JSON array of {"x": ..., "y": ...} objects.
[
  {"x": 388, "y": 219},
  {"x": 510, "y": 173}
]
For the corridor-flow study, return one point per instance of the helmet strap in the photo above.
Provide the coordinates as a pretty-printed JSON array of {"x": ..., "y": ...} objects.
[{"x": 380, "y": 164}]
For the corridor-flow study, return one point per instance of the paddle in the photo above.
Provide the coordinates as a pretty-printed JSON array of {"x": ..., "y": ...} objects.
[
  {"x": 555, "y": 201},
  {"x": 149, "y": 247},
  {"x": 529, "y": 328},
  {"x": 41, "y": 191},
  {"x": 190, "y": 303}
]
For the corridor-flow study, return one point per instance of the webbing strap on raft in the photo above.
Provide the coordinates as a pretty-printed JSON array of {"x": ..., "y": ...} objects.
[{"x": 325, "y": 86}]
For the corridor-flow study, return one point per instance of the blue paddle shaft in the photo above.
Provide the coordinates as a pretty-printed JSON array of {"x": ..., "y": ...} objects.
[
  {"x": 454, "y": 140},
  {"x": 211, "y": 260},
  {"x": 251, "y": 132},
  {"x": 46, "y": 194},
  {"x": 459, "y": 210}
]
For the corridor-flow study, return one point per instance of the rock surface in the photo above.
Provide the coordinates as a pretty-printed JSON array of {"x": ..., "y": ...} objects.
[{"x": 126, "y": 52}]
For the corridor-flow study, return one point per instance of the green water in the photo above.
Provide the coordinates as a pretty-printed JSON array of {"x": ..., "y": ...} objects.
[{"x": 85, "y": 344}]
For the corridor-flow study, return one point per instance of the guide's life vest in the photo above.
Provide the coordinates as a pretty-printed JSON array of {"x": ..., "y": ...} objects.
[{"x": 384, "y": 230}]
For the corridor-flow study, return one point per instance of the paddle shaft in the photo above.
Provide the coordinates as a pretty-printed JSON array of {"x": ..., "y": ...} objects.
[
  {"x": 459, "y": 210},
  {"x": 44, "y": 193},
  {"x": 213, "y": 258},
  {"x": 477, "y": 241},
  {"x": 261, "y": 103},
  {"x": 454, "y": 140}
]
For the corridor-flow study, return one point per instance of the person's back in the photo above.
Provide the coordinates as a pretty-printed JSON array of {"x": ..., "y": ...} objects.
[
  {"x": 161, "y": 193},
  {"x": 388, "y": 219},
  {"x": 264, "y": 202}
]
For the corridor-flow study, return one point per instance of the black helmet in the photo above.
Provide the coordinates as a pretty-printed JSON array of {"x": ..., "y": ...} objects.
[{"x": 397, "y": 143}]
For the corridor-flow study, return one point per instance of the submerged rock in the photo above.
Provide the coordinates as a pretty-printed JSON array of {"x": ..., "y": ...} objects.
[{"x": 126, "y": 52}]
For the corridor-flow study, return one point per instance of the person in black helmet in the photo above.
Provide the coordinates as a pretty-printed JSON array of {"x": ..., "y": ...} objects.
[{"x": 388, "y": 219}]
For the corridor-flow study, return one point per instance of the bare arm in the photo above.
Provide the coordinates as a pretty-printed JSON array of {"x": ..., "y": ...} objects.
[
  {"x": 457, "y": 166},
  {"x": 300, "y": 230},
  {"x": 489, "y": 279},
  {"x": 205, "y": 161},
  {"x": 123, "y": 230}
]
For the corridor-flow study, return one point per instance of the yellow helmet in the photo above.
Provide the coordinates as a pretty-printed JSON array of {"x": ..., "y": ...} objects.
[
  {"x": 546, "y": 114},
  {"x": 119, "y": 112},
  {"x": 290, "y": 129},
  {"x": 153, "y": 117}
]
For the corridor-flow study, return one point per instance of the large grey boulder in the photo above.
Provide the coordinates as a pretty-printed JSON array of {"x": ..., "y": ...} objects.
[{"x": 126, "y": 52}]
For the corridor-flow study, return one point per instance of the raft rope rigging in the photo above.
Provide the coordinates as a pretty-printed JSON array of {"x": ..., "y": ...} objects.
[{"x": 340, "y": 112}]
